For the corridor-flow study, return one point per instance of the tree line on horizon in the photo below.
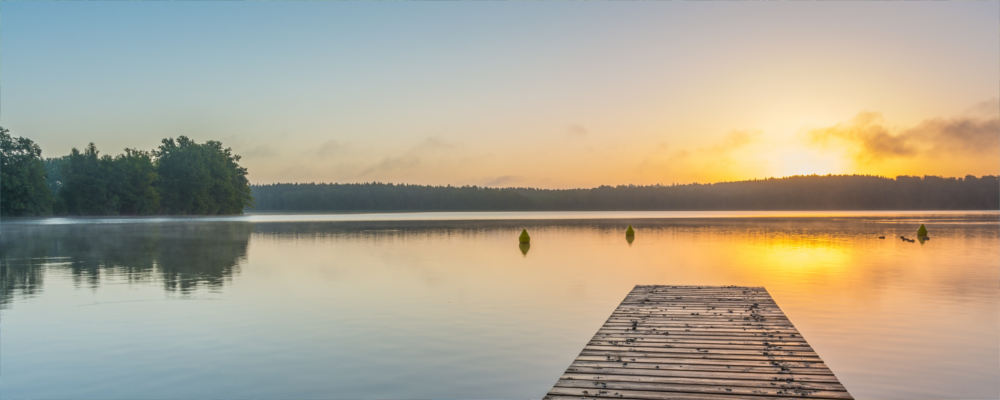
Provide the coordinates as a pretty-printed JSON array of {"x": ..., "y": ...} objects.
[
  {"x": 179, "y": 177},
  {"x": 183, "y": 177},
  {"x": 813, "y": 192}
]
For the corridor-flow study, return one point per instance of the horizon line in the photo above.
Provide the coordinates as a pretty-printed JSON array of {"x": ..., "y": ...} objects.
[{"x": 389, "y": 183}]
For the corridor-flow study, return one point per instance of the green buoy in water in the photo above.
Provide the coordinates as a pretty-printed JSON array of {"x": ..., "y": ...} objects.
[
  {"x": 524, "y": 238},
  {"x": 922, "y": 232},
  {"x": 524, "y": 246},
  {"x": 629, "y": 234}
]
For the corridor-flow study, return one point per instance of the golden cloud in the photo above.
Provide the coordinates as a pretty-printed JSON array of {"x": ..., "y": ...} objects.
[{"x": 871, "y": 140}]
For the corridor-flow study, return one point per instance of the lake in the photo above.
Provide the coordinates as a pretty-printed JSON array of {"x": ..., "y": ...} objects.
[{"x": 447, "y": 305}]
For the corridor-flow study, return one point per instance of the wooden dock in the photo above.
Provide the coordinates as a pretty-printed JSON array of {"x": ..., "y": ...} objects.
[{"x": 698, "y": 342}]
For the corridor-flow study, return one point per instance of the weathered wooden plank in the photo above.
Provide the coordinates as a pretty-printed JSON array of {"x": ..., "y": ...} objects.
[
  {"x": 712, "y": 381},
  {"x": 709, "y": 340},
  {"x": 705, "y": 360},
  {"x": 681, "y": 373},
  {"x": 701, "y": 367},
  {"x": 704, "y": 318},
  {"x": 677, "y": 344},
  {"x": 698, "y": 342},
  {"x": 698, "y": 332},
  {"x": 649, "y": 348},
  {"x": 666, "y": 334},
  {"x": 655, "y": 395},
  {"x": 640, "y": 325},
  {"x": 792, "y": 390}
]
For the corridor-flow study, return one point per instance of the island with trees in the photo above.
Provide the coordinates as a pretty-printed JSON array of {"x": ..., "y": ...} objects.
[{"x": 179, "y": 177}]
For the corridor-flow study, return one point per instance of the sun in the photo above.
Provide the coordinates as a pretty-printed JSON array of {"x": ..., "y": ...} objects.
[{"x": 800, "y": 160}]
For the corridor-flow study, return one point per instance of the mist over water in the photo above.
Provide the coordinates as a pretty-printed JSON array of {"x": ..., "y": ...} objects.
[{"x": 448, "y": 305}]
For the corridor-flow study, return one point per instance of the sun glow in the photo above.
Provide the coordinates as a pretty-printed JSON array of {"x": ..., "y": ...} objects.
[{"x": 805, "y": 161}]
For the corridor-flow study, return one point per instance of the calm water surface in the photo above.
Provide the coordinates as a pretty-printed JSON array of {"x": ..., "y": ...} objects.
[{"x": 448, "y": 306}]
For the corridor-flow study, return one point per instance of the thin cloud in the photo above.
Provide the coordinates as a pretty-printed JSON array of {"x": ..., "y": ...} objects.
[
  {"x": 577, "y": 131},
  {"x": 391, "y": 164},
  {"x": 959, "y": 135},
  {"x": 260, "y": 151},
  {"x": 502, "y": 181},
  {"x": 988, "y": 108},
  {"x": 433, "y": 143},
  {"x": 871, "y": 140},
  {"x": 732, "y": 141},
  {"x": 330, "y": 147},
  {"x": 719, "y": 154},
  {"x": 409, "y": 159}
]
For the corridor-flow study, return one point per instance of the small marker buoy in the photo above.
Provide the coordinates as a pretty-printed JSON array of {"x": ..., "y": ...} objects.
[
  {"x": 922, "y": 232},
  {"x": 525, "y": 246},
  {"x": 524, "y": 238}
]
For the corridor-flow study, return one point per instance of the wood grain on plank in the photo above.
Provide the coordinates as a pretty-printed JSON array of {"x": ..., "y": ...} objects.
[{"x": 698, "y": 342}]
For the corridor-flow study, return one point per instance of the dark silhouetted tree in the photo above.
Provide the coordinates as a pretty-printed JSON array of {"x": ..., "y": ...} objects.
[
  {"x": 199, "y": 179},
  {"x": 22, "y": 177},
  {"x": 86, "y": 183},
  {"x": 133, "y": 180}
]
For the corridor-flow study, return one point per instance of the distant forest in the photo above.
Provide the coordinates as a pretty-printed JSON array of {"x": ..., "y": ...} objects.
[
  {"x": 179, "y": 177},
  {"x": 830, "y": 192},
  {"x": 183, "y": 177}
]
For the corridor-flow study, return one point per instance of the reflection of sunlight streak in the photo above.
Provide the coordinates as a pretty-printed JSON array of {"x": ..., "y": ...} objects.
[{"x": 798, "y": 254}]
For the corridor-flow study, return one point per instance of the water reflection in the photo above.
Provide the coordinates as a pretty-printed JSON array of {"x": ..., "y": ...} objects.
[
  {"x": 524, "y": 246},
  {"x": 448, "y": 309},
  {"x": 181, "y": 257},
  {"x": 23, "y": 279}
]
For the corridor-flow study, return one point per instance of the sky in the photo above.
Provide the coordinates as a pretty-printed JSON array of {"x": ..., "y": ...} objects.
[{"x": 557, "y": 95}]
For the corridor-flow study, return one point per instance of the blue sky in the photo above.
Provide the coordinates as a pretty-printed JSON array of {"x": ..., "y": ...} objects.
[{"x": 540, "y": 94}]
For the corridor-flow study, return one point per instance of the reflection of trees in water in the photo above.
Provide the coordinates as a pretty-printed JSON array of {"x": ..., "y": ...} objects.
[
  {"x": 207, "y": 254},
  {"x": 191, "y": 254},
  {"x": 183, "y": 256},
  {"x": 24, "y": 280}
]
